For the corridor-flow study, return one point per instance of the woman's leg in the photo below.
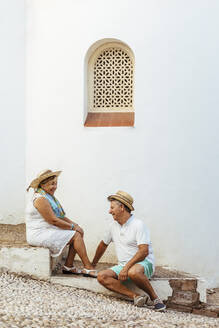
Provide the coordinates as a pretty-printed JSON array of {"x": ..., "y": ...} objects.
[
  {"x": 77, "y": 245},
  {"x": 71, "y": 256}
]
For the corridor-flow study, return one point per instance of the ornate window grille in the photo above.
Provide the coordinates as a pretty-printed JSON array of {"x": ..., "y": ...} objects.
[{"x": 110, "y": 79}]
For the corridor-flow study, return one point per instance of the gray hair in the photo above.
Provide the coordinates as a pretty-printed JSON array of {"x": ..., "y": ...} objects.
[{"x": 121, "y": 204}]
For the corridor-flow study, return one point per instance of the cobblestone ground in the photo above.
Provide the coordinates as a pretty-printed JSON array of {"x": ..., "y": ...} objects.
[{"x": 30, "y": 303}]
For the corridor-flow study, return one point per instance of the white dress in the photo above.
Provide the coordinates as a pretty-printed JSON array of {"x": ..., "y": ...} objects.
[{"x": 41, "y": 233}]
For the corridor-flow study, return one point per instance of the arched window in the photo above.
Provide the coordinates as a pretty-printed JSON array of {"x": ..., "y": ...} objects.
[{"x": 110, "y": 86}]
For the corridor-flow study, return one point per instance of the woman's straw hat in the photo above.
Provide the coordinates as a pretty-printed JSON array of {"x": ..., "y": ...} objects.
[
  {"x": 42, "y": 176},
  {"x": 124, "y": 198}
]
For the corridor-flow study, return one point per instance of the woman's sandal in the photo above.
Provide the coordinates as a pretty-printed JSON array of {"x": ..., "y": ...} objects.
[
  {"x": 87, "y": 273},
  {"x": 67, "y": 270}
]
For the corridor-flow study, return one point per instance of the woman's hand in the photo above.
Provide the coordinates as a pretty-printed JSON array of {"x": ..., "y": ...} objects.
[{"x": 76, "y": 226}]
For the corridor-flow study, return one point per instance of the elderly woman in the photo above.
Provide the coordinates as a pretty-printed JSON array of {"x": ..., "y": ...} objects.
[{"x": 47, "y": 225}]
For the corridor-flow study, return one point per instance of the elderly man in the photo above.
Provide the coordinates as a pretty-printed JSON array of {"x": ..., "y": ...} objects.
[{"x": 134, "y": 252}]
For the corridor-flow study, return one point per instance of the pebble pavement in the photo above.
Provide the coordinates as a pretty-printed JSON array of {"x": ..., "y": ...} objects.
[{"x": 25, "y": 302}]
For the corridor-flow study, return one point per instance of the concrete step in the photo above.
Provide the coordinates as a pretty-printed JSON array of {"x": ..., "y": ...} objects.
[
  {"x": 161, "y": 285},
  {"x": 36, "y": 262},
  {"x": 26, "y": 260},
  {"x": 12, "y": 234},
  {"x": 19, "y": 257}
]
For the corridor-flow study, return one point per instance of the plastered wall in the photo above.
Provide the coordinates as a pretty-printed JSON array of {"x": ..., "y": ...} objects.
[
  {"x": 169, "y": 160},
  {"x": 12, "y": 111}
]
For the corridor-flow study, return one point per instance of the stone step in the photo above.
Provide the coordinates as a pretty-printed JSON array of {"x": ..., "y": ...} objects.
[
  {"x": 26, "y": 260},
  {"x": 12, "y": 234},
  {"x": 36, "y": 262},
  {"x": 19, "y": 257},
  {"x": 161, "y": 285}
]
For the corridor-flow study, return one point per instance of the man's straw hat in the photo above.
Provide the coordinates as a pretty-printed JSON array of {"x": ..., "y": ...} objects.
[
  {"x": 42, "y": 176},
  {"x": 124, "y": 198}
]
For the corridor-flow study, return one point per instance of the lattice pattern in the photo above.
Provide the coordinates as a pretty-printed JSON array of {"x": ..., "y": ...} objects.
[{"x": 113, "y": 81}]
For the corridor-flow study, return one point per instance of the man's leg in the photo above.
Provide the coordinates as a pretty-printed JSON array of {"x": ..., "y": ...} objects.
[
  {"x": 109, "y": 279},
  {"x": 136, "y": 274}
]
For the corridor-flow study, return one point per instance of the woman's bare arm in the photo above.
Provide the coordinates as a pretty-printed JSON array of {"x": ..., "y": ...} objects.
[
  {"x": 76, "y": 226},
  {"x": 44, "y": 208},
  {"x": 69, "y": 220}
]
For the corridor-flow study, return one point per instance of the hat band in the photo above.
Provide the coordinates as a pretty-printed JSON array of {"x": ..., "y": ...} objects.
[{"x": 125, "y": 199}]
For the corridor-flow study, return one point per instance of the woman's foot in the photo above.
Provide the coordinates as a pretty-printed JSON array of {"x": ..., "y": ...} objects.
[
  {"x": 92, "y": 273},
  {"x": 71, "y": 270}
]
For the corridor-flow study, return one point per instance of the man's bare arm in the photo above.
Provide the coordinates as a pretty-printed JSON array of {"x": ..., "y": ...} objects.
[{"x": 99, "y": 252}]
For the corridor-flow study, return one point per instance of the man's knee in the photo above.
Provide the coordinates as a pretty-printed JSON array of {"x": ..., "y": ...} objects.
[
  {"x": 135, "y": 271},
  {"x": 103, "y": 276}
]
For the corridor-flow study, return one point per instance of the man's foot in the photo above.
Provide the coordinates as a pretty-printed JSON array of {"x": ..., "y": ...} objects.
[
  {"x": 159, "y": 305},
  {"x": 140, "y": 300}
]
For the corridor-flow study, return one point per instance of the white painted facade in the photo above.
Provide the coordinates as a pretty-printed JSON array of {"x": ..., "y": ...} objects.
[
  {"x": 169, "y": 160},
  {"x": 12, "y": 109}
]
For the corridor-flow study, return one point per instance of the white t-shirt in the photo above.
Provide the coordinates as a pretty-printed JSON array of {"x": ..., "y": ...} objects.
[{"x": 127, "y": 237}]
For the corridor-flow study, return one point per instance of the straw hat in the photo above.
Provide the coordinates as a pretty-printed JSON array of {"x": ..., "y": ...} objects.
[
  {"x": 42, "y": 176},
  {"x": 124, "y": 198}
]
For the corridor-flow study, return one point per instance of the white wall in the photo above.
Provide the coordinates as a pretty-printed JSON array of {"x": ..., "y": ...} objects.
[
  {"x": 169, "y": 160},
  {"x": 12, "y": 131}
]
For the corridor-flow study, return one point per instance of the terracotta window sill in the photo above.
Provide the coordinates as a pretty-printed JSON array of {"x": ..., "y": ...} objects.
[{"x": 110, "y": 119}]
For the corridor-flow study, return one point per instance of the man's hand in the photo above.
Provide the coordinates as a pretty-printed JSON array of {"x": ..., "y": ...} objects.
[{"x": 123, "y": 274}]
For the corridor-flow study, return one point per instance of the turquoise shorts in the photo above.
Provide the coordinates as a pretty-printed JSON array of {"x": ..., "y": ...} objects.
[{"x": 148, "y": 268}]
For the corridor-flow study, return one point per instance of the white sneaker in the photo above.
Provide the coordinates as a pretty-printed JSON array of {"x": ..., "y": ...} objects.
[{"x": 140, "y": 300}]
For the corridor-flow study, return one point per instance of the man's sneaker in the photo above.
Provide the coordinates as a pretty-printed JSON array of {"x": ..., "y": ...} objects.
[
  {"x": 159, "y": 305},
  {"x": 140, "y": 300}
]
